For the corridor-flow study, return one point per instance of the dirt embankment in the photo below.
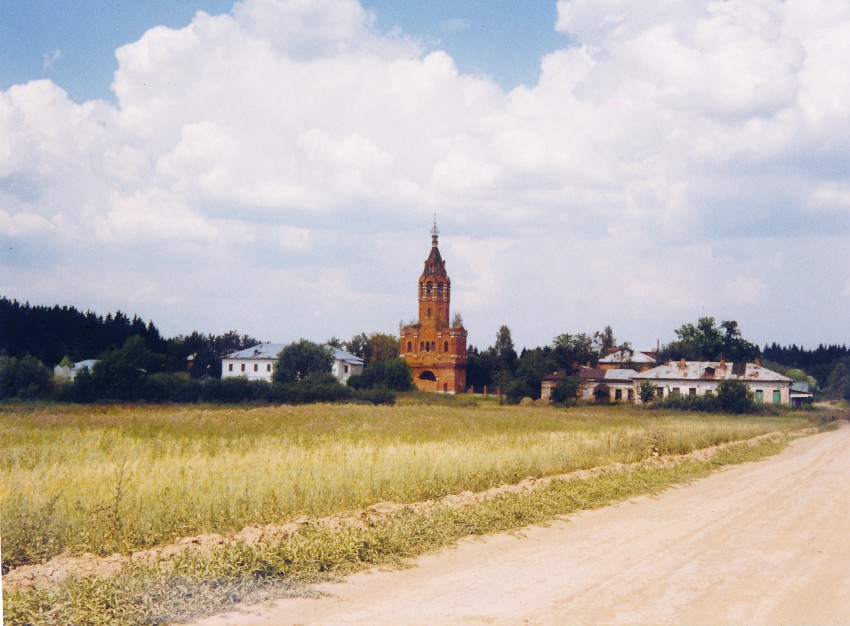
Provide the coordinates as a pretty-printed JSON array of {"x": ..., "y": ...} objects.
[
  {"x": 759, "y": 543},
  {"x": 83, "y": 565}
]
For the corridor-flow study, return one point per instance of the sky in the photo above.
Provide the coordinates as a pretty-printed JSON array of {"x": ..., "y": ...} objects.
[{"x": 274, "y": 166}]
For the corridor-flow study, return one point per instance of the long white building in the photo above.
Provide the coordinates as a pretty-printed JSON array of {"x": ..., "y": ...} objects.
[{"x": 257, "y": 363}]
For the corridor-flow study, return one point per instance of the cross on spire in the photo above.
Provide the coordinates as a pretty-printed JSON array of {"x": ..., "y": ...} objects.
[{"x": 434, "y": 231}]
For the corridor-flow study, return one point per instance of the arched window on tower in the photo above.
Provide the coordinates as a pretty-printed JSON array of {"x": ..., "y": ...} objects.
[
  {"x": 446, "y": 347},
  {"x": 440, "y": 290},
  {"x": 429, "y": 288}
]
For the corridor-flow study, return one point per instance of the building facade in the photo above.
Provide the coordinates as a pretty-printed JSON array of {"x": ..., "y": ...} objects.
[
  {"x": 257, "y": 363},
  {"x": 435, "y": 349},
  {"x": 697, "y": 378}
]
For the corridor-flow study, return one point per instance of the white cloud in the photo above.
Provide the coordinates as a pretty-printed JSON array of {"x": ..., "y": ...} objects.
[
  {"x": 51, "y": 58},
  {"x": 273, "y": 149}
]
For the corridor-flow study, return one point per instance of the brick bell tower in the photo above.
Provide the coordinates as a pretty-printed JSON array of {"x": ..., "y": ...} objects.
[{"x": 435, "y": 350}]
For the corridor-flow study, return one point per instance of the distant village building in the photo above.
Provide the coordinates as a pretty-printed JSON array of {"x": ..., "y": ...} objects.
[
  {"x": 626, "y": 358},
  {"x": 607, "y": 385},
  {"x": 595, "y": 383},
  {"x": 434, "y": 349},
  {"x": 598, "y": 384},
  {"x": 696, "y": 378},
  {"x": 70, "y": 371},
  {"x": 257, "y": 363}
]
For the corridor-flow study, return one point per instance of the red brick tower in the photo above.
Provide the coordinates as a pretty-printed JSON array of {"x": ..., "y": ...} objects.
[{"x": 435, "y": 350}]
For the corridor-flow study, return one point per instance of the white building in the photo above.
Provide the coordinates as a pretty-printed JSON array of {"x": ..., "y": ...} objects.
[
  {"x": 696, "y": 378},
  {"x": 257, "y": 363},
  {"x": 64, "y": 371}
]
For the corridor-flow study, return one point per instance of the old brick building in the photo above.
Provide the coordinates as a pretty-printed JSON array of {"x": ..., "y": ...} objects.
[{"x": 434, "y": 349}]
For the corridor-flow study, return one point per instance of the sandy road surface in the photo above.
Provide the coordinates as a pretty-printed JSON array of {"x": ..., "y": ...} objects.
[{"x": 761, "y": 543}]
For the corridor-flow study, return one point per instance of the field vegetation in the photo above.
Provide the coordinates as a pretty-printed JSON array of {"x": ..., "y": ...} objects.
[{"x": 108, "y": 478}]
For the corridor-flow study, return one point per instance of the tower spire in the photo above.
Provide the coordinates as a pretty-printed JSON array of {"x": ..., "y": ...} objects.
[{"x": 435, "y": 232}]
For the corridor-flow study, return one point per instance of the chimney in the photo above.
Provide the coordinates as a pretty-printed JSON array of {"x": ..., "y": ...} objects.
[
  {"x": 588, "y": 363},
  {"x": 758, "y": 362},
  {"x": 722, "y": 363}
]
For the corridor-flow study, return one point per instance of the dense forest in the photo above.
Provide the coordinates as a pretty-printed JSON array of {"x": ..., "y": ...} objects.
[
  {"x": 54, "y": 334},
  {"x": 33, "y": 339}
]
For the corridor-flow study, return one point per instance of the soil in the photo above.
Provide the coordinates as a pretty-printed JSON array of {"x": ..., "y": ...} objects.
[{"x": 758, "y": 543}]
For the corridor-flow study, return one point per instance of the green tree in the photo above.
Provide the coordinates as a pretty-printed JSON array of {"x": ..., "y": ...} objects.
[
  {"x": 646, "y": 391},
  {"x": 300, "y": 360},
  {"x": 734, "y": 396},
  {"x": 118, "y": 373},
  {"x": 382, "y": 348},
  {"x": 359, "y": 347},
  {"x": 838, "y": 383},
  {"x": 566, "y": 390},
  {"x": 604, "y": 340},
  {"x": 26, "y": 377},
  {"x": 708, "y": 342},
  {"x": 393, "y": 374},
  {"x": 569, "y": 349}
]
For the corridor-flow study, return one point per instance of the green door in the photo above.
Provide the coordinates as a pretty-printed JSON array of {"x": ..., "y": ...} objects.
[{"x": 777, "y": 396}]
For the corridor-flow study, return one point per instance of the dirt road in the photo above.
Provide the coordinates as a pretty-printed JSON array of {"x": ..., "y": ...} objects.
[{"x": 761, "y": 543}]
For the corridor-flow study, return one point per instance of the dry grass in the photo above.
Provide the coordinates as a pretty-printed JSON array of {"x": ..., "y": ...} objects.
[{"x": 114, "y": 478}]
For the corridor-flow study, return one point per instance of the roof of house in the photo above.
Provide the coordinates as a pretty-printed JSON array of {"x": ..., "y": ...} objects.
[
  {"x": 594, "y": 373},
  {"x": 615, "y": 375},
  {"x": 272, "y": 350},
  {"x": 628, "y": 356},
  {"x": 711, "y": 370},
  {"x": 801, "y": 388}
]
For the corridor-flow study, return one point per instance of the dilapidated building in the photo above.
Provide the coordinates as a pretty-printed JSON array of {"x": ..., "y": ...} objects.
[{"x": 697, "y": 378}]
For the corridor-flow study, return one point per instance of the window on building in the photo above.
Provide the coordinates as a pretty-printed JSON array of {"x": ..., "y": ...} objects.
[
  {"x": 692, "y": 391},
  {"x": 230, "y": 367},
  {"x": 429, "y": 311},
  {"x": 345, "y": 369},
  {"x": 777, "y": 396},
  {"x": 446, "y": 346},
  {"x": 631, "y": 395},
  {"x": 759, "y": 395},
  {"x": 440, "y": 290},
  {"x": 434, "y": 346},
  {"x": 618, "y": 394},
  {"x": 676, "y": 390},
  {"x": 243, "y": 367},
  {"x": 256, "y": 367},
  {"x": 659, "y": 392},
  {"x": 409, "y": 347},
  {"x": 430, "y": 288},
  {"x": 268, "y": 367}
]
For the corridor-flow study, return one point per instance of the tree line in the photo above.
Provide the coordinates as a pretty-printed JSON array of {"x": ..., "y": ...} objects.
[
  {"x": 35, "y": 338},
  {"x": 826, "y": 369}
]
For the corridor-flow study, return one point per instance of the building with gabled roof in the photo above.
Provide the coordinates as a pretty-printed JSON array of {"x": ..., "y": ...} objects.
[
  {"x": 626, "y": 358},
  {"x": 257, "y": 363},
  {"x": 702, "y": 377}
]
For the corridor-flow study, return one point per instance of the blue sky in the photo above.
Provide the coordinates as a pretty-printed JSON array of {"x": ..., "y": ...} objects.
[
  {"x": 73, "y": 42},
  {"x": 273, "y": 166}
]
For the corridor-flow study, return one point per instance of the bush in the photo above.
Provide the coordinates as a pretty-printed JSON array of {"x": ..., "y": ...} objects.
[
  {"x": 390, "y": 374},
  {"x": 735, "y": 396},
  {"x": 732, "y": 396},
  {"x": 24, "y": 378},
  {"x": 646, "y": 391},
  {"x": 566, "y": 391}
]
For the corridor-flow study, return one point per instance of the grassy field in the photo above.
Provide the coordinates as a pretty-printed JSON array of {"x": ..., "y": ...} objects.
[{"x": 107, "y": 479}]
